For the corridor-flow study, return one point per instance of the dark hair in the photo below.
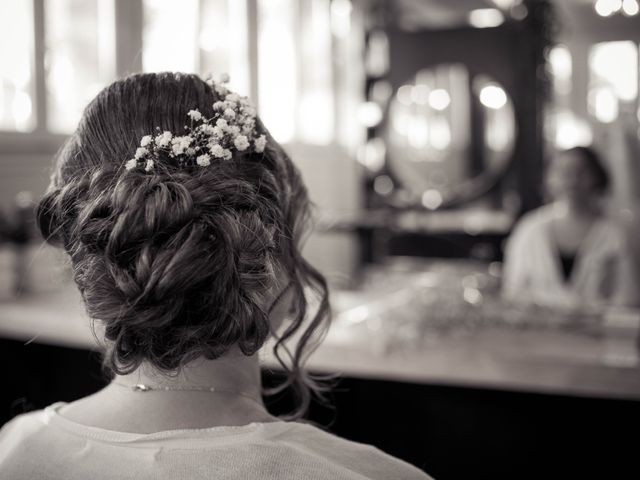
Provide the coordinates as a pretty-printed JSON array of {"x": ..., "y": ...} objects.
[
  {"x": 593, "y": 163},
  {"x": 176, "y": 263}
]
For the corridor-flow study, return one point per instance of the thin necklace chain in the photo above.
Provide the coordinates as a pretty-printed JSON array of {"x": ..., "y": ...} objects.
[{"x": 143, "y": 387}]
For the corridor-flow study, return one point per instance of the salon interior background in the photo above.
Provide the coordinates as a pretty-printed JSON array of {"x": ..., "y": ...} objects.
[
  {"x": 421, "y": 127},
  {"x": 334, "y": 62}
]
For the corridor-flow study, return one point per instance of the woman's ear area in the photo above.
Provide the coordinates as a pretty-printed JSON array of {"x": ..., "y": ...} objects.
[{"x": 279, "y": 297}]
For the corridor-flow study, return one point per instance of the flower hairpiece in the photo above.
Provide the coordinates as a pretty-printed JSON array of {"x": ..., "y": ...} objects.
[{"x": 232, "y": 127}]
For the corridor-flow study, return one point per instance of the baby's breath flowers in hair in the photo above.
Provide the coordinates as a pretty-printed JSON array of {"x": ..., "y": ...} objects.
[{"x": 232, "y": 127}]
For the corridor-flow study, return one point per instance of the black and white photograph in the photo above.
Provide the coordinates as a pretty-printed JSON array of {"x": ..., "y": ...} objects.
[{"x": 319, "y": 239}]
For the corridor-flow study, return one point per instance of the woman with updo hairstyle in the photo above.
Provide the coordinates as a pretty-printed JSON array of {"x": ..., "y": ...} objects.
[
  {"x": 183, "y": 220},
  {"x": 569, "y": 253}
]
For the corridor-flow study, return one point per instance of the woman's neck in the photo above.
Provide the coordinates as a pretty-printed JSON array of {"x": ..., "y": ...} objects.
[
  {"x": 122, "y": 408},
  {"x": 570, "y": 208},
  {"x": 233, "y": 371}
]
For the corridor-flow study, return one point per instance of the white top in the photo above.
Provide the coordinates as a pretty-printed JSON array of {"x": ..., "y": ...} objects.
[
  {"x": 603, "y": 272},
  {"x": 47, "y": 446}
]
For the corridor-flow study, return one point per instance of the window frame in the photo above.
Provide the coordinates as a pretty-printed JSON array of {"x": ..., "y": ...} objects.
[
  {"x": 129, "y": 21},
  {"x": 128, "y": 42}
]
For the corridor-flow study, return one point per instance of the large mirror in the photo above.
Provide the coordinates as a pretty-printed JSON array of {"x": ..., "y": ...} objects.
[{"x": 450, "y": 134}]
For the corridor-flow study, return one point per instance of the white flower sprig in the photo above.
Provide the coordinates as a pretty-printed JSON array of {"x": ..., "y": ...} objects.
[{"x": 232, "y": 127}]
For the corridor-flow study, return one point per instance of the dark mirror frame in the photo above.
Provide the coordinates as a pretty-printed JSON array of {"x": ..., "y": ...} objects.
[
  {"x": 481, "y": 175},
  {"x": 515, "y": 56}
]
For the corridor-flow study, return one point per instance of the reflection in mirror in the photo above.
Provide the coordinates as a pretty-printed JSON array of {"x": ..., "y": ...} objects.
[{"x": 450, "y": 134}]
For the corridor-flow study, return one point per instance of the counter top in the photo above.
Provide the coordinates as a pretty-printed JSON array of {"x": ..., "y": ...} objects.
[{"x": 359, "y": 344}]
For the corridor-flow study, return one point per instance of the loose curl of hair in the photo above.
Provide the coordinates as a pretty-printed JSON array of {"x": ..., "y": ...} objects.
[{"x": 176, "y": 264}]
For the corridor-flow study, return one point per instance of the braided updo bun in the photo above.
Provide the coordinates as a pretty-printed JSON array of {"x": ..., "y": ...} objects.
[{"x": 177, "y": 264}]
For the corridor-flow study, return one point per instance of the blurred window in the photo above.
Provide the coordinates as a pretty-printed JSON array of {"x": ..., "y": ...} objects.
[
  {"x": 295, "y": 73},
  {"x": 300, "y": 95},
  {"x": 224, "y": 41},
  {"x": 316, "y": 108},
  {"x": 79, "y": 58},
  {"x": 348, "y": 25},
  {"x": 613, "y": 78},
  {"x": 561, "y": 69},
  {"x": 16, "y": 61},
  {"x": 278, "y": 66},
  {"x": 170, "y": 36},
  {"x": 212, "y": 39}
]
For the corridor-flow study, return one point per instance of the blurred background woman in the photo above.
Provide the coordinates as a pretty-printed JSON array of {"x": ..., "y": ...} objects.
[{"x": 569, "y": 253}]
